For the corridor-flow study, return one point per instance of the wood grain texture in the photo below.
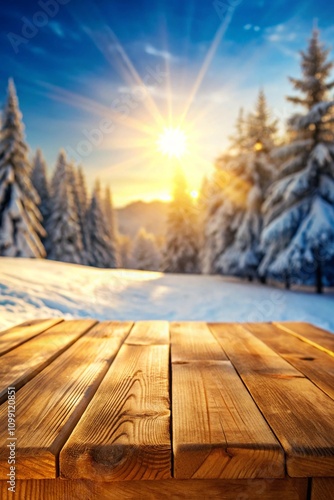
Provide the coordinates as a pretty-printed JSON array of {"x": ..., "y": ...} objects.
[
  {"x": 194, "y": 341},
  {"x": 124, "y": 433},
  {"x": 50, "y": 405},
  {"x": 149, "y": 333},
  {"x": 322, "y": 488},
  {"x": 21, "y": 364},
  {"x": 243, "y": 489},
  {"x": 310, "y": 334},
  {"x": 13, "y": 337},
  {"x": 299, "y": 413},
  {"x": 313, "y": 363},
  {"x": 218, "y": 431}
]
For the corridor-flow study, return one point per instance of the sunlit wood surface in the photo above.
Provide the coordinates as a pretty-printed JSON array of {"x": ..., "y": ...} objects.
[{"x": 168, "y": 410}]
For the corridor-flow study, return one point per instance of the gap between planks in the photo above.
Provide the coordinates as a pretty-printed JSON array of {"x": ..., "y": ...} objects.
[
  {"x": 298, "y": 412},
  {"x": 314, "y": 364},
  {"x": 21, "y": 364},
  {"x": 124, "y": 433},
  {"x": 17, "y": 335},
  {"x": 50, "y": 405},
  {"x": 212, "y": 411},
  {"x": 309, "y": 334}
]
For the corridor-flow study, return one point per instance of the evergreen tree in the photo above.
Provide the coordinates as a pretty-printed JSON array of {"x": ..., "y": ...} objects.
[
  {"x": 229, "y": 215},
  {"x": 82, "y": 200},
  {"x": 181, "y": 247},
  {"x": 261, "y": 130},
  {"x": 77, "y": 185},
  {"x": 145, "y": 253},
  {"x": 201, "y": 206},
  {"x": 243, "y": 256},
  {"x": 20, "y": 219},
  {"x": 111, "y": 224},
  {"x": 299, "y": 212},
  {"x": 101, "y": 247},
  {"x": 239, "y": 140},
  {"x": 82, "y": 190},
  {"x": 40, "y": 181},
  {"x": 217, "y": 216},
  {"x": 109, "y": 212},
  {"x": 64, "y": 242}
]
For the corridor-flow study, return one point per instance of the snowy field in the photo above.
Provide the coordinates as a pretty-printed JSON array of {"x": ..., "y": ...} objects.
[{"x": 40, "y": 289}]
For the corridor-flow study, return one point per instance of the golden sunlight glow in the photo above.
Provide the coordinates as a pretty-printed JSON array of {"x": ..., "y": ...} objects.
[
  {"x": 172, "y": 142},
  {"x": 258, "y": 146},
  {"x": 139, "y": 174},
  {"x": 165, "y": 197}
]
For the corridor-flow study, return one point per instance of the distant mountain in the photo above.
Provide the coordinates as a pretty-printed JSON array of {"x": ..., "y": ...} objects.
[{"x": 150, "y": 215}]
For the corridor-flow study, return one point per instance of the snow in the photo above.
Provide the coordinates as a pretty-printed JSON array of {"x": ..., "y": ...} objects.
[
  {"x": 39, "y": 289},
  {"x": 315, "y": 115},
  {"x": 292, "y": 149},
  {"x": 321, "y": 154},
  {"x": 315, "y": 230}
]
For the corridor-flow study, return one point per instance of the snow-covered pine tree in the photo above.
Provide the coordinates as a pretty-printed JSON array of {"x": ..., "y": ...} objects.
[
  {"x": 145, "y": 253},
  {"x": 101, "y": 247},
  {"x": 111, "y": 224},
  {"x": 229, "y": 214},
  {"x": 212, "y": 207},
  {"x": 82, "y": 200},
  {"x": 40, "y": 181},
  {"x": 82, "y": 190},
  {"x": 77, "y": 185},
  {"x": 201, "y": 207},
  {"x": 239, "y": 140},
  {"x": 243, "y": 256},
  {"x": 261, "y": 131},
  {"x": 225, "y": 200},
  {"x": 299, "y": 212},
  {"x": 64, "y": 242},
  {"x": 109, "y": 212},
  {"x": 20, "y": 219},
  {"x": 181, "y": 245}
]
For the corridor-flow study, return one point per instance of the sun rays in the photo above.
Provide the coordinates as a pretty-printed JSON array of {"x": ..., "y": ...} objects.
[{"x": 151, "y": 120}]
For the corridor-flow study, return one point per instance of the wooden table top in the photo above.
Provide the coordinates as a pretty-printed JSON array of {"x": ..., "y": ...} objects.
[{"x": 122, "y": 401}]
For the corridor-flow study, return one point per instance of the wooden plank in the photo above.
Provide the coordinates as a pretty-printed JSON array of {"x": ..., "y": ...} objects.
[
  {"x": 194, "y": 341},
  {"x": 50, "y": 405},
  {"x": 124, "y": 433},
  {"x": 243, "y": 489},
  {"x": 317, "y": 337},
  {"x": 299, "y": 413},
  {"x": 13, "y": 337},
  {"x": 218, "y": 431},
  {"x": 149, "y": 333},
  {"x": 322, "y": 488},
  {"x": 313, "y": 363},
  {"x": 25, "y": 361}
]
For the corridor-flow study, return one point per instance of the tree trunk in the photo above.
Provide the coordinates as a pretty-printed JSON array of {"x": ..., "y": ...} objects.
[{"x": 319, "y": 278}]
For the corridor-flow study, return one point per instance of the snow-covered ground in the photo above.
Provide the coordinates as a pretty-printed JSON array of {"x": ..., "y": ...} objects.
[{"x": 39, "y": 289}]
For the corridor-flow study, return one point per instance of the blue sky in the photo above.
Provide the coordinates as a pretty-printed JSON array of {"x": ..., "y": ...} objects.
[{"x": 76, "y": 64}]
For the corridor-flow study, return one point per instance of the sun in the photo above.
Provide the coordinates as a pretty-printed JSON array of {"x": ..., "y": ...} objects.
[{"x": 172, "y": 142}]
